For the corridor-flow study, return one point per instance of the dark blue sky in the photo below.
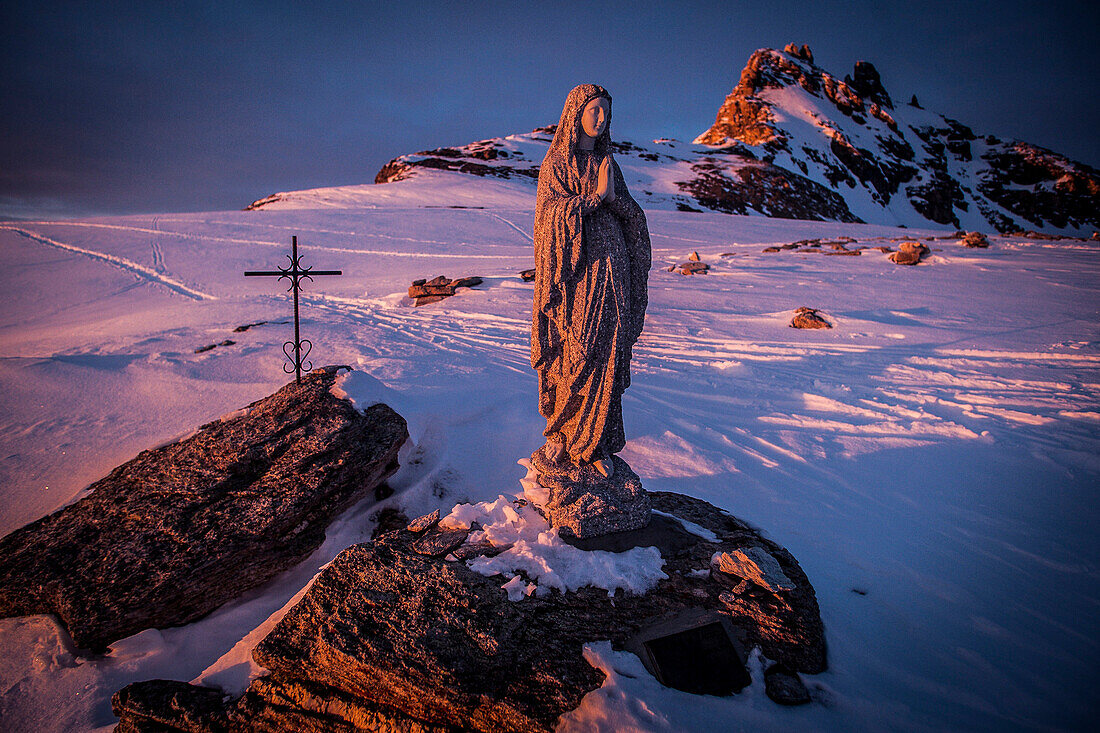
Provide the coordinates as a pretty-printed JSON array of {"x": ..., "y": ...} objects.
[{"x": 149, "y": 106}]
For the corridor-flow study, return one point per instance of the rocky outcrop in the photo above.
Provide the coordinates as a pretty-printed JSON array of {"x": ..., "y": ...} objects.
[
  {"x": 1040, "y": 186},
  {"x": 946, "y": 169},
  {"x": 746, "y": 116},
  {"x": 179, "y": 530},
  {"x": 481, "y": 158},
  {"x": 737, "y": 185},
  {"x": 387, "y": 638},
  {"x": 438, "y": 288}
]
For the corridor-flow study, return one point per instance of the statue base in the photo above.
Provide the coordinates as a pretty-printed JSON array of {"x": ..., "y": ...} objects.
[{"x": 581, "y": 502}]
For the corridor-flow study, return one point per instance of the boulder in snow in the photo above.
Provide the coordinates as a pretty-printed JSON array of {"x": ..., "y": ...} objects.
[
  {"x": 179, "y": 530},
  {"x": 974, "y": 239},
  {"x": 808, "y": 318},
  {"x": 438, "y": 288},
  {"x": 909, "y": 253}
]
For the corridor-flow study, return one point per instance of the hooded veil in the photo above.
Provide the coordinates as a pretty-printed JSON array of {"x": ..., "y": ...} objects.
[{"x": 592, "y": 262}]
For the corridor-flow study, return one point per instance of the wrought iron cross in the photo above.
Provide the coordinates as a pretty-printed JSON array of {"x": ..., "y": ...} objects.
[{"x": 295, "y": 273}]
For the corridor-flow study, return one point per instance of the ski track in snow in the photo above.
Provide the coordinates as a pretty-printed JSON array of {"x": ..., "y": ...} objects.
[
  {"x": 158, "y": 252},
  {"x": 122, "y": 263},
  {"x": 317, "y": 248}
]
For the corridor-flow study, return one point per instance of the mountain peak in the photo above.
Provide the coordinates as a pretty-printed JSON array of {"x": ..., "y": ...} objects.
[
  {"x": 795, "y": 141},
  {"x": 848, "y": 135},
  {"x": 746, "y": 116}
]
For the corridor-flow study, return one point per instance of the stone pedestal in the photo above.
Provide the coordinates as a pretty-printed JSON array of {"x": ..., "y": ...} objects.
[{"x": 582, "y": 502}]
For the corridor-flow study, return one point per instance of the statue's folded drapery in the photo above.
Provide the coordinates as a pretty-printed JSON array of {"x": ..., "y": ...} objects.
[{"x": 592, "y": 262}]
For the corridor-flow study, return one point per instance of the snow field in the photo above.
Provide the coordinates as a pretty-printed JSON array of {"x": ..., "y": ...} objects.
[{"x": 931, "y": 461}]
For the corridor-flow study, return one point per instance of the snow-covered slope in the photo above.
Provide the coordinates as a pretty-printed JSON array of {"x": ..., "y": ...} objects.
[
  {"x": 794, "y": 141},
  {"x": 931, "y": 461}
]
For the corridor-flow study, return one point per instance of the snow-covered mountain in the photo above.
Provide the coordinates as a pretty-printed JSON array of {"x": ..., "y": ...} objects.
[{"x": 794, "y": 141}]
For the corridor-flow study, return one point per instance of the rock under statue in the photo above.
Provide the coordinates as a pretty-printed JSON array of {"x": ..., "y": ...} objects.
[{"x": 592, "y": 260}]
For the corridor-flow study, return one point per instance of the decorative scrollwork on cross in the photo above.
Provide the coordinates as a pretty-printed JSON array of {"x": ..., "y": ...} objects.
[{"x": 295, "y": 273}]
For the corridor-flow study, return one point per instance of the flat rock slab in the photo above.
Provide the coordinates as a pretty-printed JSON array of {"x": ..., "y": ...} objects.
[
  {"x": 179, "y": 530},
  {"x": 387, "y": 638},
  {"x": 582, "y": 502}
]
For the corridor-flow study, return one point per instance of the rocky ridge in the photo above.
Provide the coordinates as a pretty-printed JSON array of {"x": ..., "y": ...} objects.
[
  {"x": 795, "y": 141},
  {"x": 877, "y": 153}
]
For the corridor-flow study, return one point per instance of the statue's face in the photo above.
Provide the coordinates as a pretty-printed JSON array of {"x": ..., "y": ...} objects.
[{"x": 594, "y": 116}]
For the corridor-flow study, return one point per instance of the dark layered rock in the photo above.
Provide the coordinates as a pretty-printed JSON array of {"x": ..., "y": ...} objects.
[
  {"x": 693, "y": 266},
  {"x": 387, "y": 638},
  {"x": 179, "y": 530},
  {"x": 481, "y": 158},
  {"x": 867, "y": 84},
  {"x": 784, "y": 686},
  {"x": 748, "y": 185},
  {"x": 1041, "y": 186}
]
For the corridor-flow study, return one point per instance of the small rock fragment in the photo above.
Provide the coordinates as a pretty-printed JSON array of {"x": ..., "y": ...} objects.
[
  {"x": 756, "y": 565},
  {"x": 808, "y": 318},
  {"x": 528, "y": 275},
  {"x": 478, "y": 549},
  {"x": 425, "y": 522},
  {"x": 784, "y": 686},
  {"x": 694, "y": 256},
  {"x": 438, "y": 544}
]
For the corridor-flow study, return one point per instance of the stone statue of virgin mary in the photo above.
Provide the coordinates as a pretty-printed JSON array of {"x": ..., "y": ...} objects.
[{"x": 592, "y": 260}]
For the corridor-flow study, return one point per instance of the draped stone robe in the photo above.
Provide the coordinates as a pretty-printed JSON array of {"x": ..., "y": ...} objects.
[{"x": 592, "y": 261}]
